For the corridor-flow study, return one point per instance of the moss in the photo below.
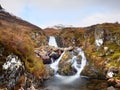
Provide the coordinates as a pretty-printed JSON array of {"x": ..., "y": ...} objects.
[{"x": 117, "y": 76}]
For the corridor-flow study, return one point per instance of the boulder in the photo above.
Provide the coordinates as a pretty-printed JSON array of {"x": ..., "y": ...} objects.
[
  {"x": 93, "y": 71},
  {"x": 46, "y": 59},
  {"x": 50, "y": 72},
  {"x": 54, "y": 55},
  {"x": 13, "y": 69},
  {"x": 66, "y": 69},
  {"x": 65, "y": 65}
]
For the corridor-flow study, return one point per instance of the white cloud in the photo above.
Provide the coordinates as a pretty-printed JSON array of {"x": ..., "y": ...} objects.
[
  {"x": 101, "y": 18},
  {"x": 66, "y": 7}
]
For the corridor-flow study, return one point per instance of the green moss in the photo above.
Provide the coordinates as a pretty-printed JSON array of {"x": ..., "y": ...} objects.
[{"x": 114, "y": 60}]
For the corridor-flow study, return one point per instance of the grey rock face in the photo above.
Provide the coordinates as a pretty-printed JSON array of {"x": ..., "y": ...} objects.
[{"x": 13, "y": 68}]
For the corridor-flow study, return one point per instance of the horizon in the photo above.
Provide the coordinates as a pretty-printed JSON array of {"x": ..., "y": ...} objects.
[{"x": 76, "y": 13}]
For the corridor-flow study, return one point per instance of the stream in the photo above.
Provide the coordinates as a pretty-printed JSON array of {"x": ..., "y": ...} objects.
[{"x": 60, "y": 82}]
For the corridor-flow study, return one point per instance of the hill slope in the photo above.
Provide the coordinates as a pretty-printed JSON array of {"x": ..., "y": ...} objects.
[
  {"x": 20, "y": 37},
  {"x": 101, "y": 44}
]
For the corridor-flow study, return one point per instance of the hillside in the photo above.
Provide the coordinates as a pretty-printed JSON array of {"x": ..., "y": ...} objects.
[
  {"x": 19, "y": 38},
  {"x": 25, "y": 55},
  {"x": 51, "y": 31},
  {"x": 101, "y": 44}
]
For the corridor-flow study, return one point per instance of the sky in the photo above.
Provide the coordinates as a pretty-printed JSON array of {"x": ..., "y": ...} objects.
[{"x": 78, "y": 13}]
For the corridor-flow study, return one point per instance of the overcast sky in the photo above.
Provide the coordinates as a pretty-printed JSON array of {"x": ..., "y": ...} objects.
[{"x": 78, "y": 13}]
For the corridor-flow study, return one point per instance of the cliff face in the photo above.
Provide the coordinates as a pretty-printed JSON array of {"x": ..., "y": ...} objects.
[
  {"x": 101, "y": 44},
  {"x": 20, "y": 38}
]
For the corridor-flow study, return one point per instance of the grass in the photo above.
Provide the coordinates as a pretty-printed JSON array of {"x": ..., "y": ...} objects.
[{"x": 16, "y": 39}]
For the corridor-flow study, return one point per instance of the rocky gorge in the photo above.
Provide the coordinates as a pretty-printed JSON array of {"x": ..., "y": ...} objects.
[{"x": 27, "y": 55}]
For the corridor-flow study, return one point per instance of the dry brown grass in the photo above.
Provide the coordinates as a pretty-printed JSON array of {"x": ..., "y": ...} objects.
[{"x": 15, "y": 37}]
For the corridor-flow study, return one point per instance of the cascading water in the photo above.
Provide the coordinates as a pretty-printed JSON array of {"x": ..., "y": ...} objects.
[
  {"x": 52, "y": 41},
  {"x": 54, "y": 65},
  {"x": 78, "y": 67},
  {"x": 66, "y": 82}
]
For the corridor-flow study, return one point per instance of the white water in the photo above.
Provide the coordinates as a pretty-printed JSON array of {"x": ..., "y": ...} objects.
[
  {"x": 78, "y": 67},
  {"x": 54, "y": 65},
  {"x": 52, "y": 41}
]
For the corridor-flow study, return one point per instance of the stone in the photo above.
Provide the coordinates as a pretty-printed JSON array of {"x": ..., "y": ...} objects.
[
  {"x": 46, "y": 59},
  {"x": 101, "y": 55},
  {"x": 50, "y": 71},
  {"x": 112, "y": 51},
  {"x": 54, "y": 55},
  {"x": 66, "y": 69},
  {"x": 111, "y": 88},
  {"x": 13, "y": 70},
  {"x": 106, "y": 49}
]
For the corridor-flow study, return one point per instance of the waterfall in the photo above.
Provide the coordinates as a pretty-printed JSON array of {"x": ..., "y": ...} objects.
[
  {"x": 77, "y": 66},
  {"x": 52, "y": 41},
  {"x": 54, "y": 65}
]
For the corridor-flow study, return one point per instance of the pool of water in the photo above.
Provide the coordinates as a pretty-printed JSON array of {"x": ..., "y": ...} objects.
[{"x": 64, "y": 83}]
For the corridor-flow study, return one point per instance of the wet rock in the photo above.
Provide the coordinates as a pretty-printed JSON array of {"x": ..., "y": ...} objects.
[
  {"x": 54, "y": 55},
  {"x": 48, "y": 54},
  {"x": 50, "y": 72},
  {"x": 69, "y": 62},
  {"x": 46, "y": 59},
  {"x": 93, "y": 71},
  {"x": 67, "y": 69}
]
